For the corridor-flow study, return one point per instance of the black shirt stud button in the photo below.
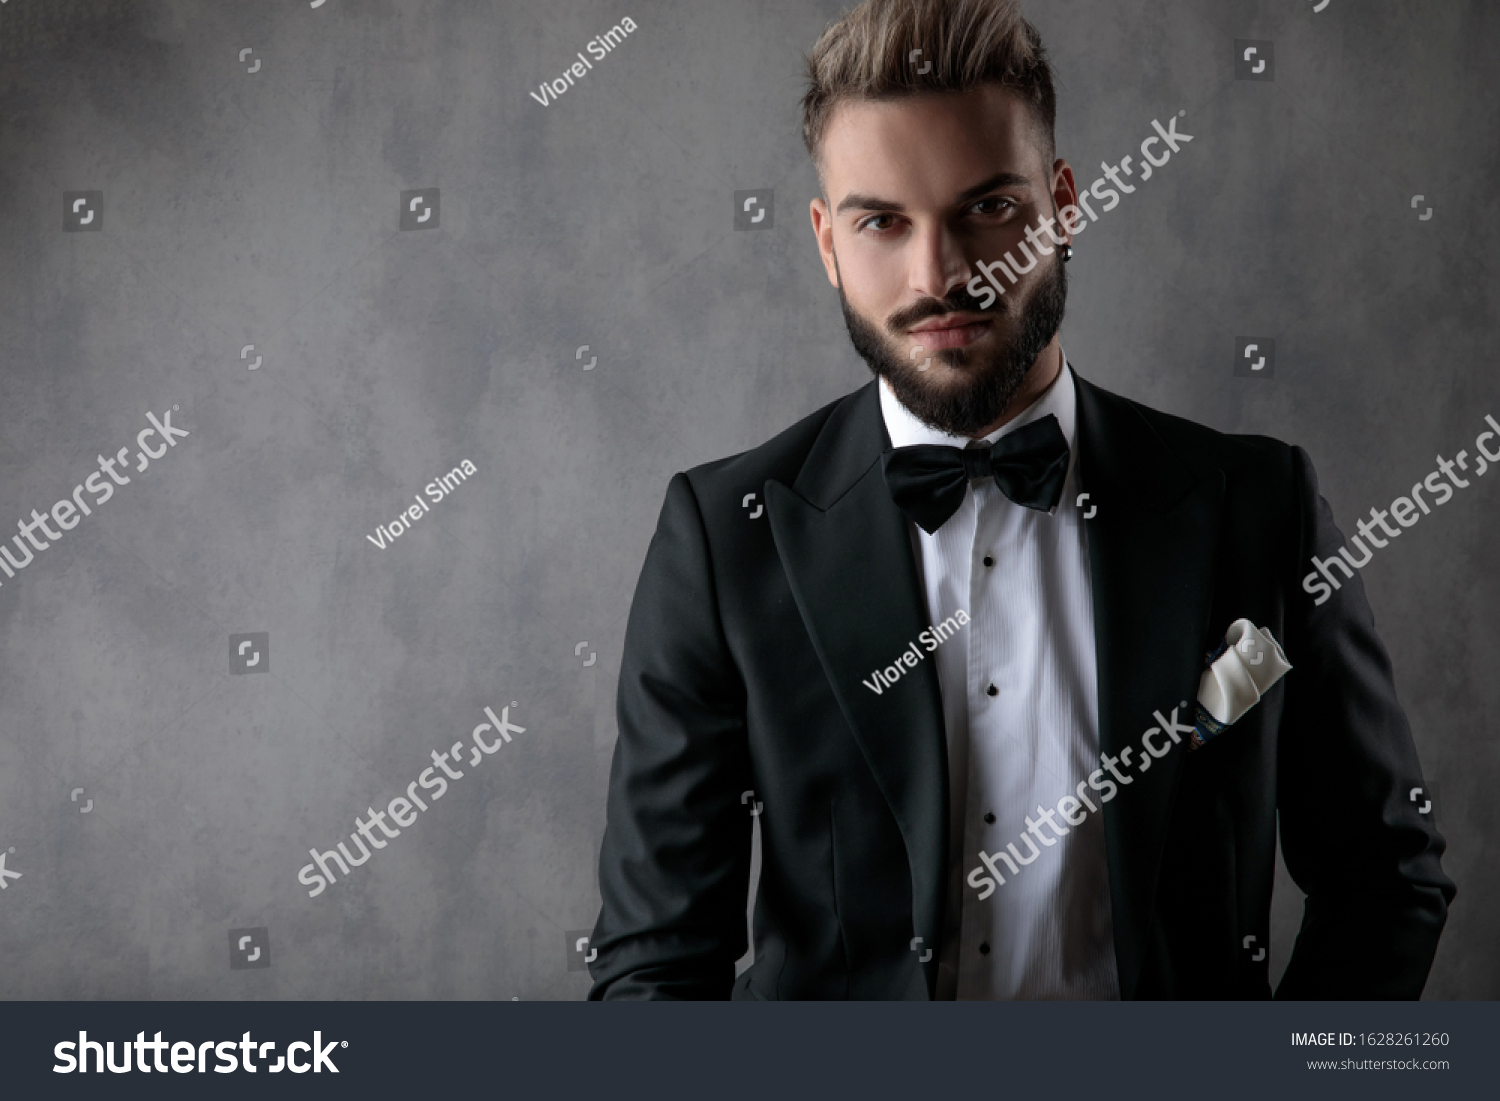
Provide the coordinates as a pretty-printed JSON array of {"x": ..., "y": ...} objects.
[
  {"x": 984, "y": 948},
  {"x": 992, "y": 691}
]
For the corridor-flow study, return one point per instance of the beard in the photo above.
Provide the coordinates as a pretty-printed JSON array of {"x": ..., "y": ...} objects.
[{"x": 982, "y": 386}]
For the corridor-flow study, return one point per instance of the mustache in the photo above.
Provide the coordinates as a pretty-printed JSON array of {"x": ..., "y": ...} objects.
[{"x": 959, "y": 300}]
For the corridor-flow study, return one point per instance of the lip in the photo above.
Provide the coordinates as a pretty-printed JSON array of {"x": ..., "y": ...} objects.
[{"x": 949, "y": 331}]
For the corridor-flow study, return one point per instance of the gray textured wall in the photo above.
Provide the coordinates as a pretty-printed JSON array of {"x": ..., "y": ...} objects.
[{"x": 261, "y": 208}]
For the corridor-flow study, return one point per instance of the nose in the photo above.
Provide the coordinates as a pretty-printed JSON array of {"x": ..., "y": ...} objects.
[{"x": 937, "y": 263}]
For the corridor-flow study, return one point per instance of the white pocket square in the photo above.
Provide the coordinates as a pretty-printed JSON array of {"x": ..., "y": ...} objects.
[{"x": 1239, "y": 673}]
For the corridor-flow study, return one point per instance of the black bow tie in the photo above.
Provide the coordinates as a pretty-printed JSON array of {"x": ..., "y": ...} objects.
[{"x": 927, "y": 481}]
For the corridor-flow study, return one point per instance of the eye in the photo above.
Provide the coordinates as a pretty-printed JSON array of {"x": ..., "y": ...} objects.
[
  {"x": 994, "y": 204},
  {"x": 869, "y": 223}
]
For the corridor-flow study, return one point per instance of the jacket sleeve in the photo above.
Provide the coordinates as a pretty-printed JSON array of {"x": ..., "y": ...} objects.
[
  {"x": 674, "y": 867},
  {"x": 1352, "y": 837}
]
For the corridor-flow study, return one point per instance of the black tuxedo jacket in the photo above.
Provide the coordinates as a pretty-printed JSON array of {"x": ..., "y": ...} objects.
[{"x": 755, "y": 620}]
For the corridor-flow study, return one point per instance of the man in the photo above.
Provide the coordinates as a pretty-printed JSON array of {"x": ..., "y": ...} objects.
[{"x": 900, "y": 631}]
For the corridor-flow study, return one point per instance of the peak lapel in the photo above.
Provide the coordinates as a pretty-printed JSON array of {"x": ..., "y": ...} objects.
[
  {"x": 1152, "y": 547},
  {"x": 848, "y": 557}
]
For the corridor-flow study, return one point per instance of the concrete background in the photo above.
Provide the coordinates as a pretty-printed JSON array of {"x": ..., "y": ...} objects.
[{"x": 262, "y": 208}]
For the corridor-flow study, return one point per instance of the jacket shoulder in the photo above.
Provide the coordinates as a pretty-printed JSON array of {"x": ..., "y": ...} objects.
[
  {"x": 780, "y": 458},
  {"x": 1242, "y": 457}
]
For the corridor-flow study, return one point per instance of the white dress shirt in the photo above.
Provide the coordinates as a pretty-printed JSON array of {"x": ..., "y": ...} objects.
[{"x": 1021, "y": 710}]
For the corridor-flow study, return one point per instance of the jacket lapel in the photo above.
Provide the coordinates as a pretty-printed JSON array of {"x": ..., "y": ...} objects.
[
  {"x": 848, "y": 557},
  {"x": 1152, "y": 547}
]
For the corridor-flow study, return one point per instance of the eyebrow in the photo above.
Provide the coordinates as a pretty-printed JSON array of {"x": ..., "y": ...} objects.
[{"x": 856, "y": 201}]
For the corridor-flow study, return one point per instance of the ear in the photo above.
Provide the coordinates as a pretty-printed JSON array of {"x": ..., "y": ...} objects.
[
  {"x": 822, "y": 225},
  {"x": 1064, "y": 189}
]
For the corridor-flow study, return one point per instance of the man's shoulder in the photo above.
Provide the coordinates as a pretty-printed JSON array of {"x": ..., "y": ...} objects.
[
  {"x": 779, "y": 459},
  {"x": 1246, "y": 460},
  {"x": 1241, "y": 456}
]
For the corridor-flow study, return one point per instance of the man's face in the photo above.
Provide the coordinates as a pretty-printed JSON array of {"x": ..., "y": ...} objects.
[{"x": 922, "y": 189}]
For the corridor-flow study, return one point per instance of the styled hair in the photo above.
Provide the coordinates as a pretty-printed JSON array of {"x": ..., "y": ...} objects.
[{"x": 871, "y": 54}]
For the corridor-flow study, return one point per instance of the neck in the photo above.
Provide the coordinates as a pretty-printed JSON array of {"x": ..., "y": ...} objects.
[{"x": 1043, "y": 373}]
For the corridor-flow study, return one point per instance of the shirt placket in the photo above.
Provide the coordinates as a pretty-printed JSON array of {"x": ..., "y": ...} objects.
[{"x": 980, "y": 675}]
